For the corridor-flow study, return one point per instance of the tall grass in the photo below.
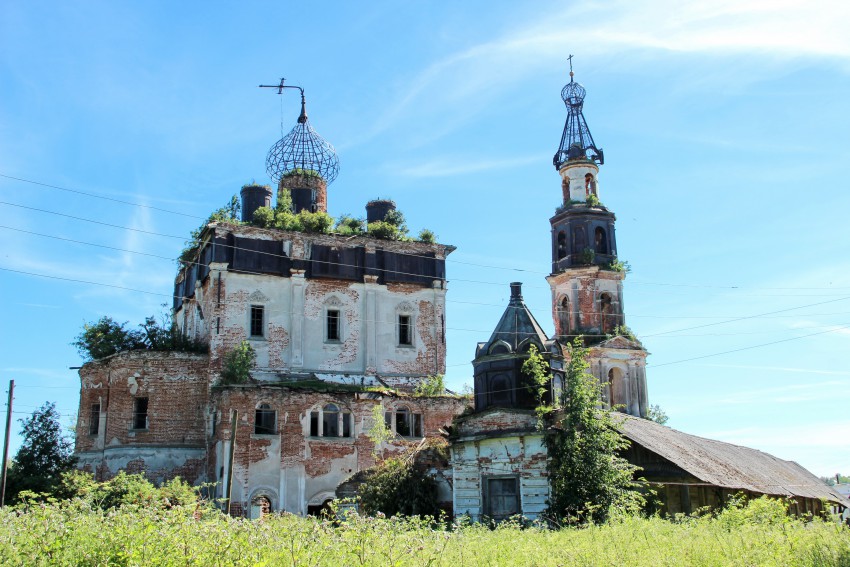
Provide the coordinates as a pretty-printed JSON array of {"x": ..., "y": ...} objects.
[{"x": 76, "y": 534}]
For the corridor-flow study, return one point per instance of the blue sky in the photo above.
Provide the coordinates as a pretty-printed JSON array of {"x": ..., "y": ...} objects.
[{"x": 724, "y": 126}]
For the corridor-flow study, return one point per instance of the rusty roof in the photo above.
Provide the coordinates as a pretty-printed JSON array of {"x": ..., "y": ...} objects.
[{"x": 727, "y": 465}]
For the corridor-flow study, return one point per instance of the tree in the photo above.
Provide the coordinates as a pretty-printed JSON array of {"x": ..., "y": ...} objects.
[
  {"x": 105, "y": 337},
  {"x": 657, "y": 414},
  {"x": 44, "y": 455},
  {"x": 396, "y": 487},
  {"x": 588, "y": 478}
]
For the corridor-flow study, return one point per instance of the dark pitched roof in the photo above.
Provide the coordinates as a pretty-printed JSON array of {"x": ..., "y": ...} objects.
[
  {"x": 727, "y": 465},
  {"x": 517, "y": 324}
]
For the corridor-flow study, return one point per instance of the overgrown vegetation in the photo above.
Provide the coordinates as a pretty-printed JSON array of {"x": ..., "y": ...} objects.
[
  {"x": 588, "y": 480},
  {"x": 656, "y": 414},
  {"x": 378, "y": 432},
  {"x": 106, "y": 337},
  {"x": 75, "y": 533},
  {"x": 236, "y": 364},
  {"x": 44, "y": 456},
  {"x": 593, "y": 201},
  {"x": 587, "y": 256},
  {"x": 431, "y": 386},
  {"x": 396, "y": 487},
  {"x": 623, "y": 331},
  {"x": 229, "y": 213},
  {"x": 619, "y": 266}
]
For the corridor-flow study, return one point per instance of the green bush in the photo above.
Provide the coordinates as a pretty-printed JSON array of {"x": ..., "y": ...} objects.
[
  {"x": 431, "y": 386},
  {"x": 319, "y": 221},
  {"x": 587, "y": 256},
  {"x": 428, "y": 236},
  {"x": 264, "y": 217},
  {"x": 237, "y": 363},
  {"x": 384, "y": 231},
  {"x": 396, "y": 487},
  {"x": 593, "y": 201},
  {"x": 347, "y": 225}
]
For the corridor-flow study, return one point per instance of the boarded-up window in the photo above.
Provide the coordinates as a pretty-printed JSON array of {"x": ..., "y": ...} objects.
[
  {"x": 264, "y": 420},
  {"x": 94, "y": 419},
  {"x": 501, "y": 496},
  {"x": 140, "y": 413}
]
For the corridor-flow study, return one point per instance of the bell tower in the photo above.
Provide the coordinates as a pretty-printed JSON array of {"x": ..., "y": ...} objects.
[{"x": 587, "y": 278}]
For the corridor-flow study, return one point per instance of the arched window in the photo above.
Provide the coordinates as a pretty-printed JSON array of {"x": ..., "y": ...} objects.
[
  {"x": 331, "y": 421},
  {"x": 600, "y": 242},
  {"x": 261, "y": 506},
  {"x": 589, "y": 185},
  {"x": 565, "y": 189},
  {"x": 557, "y": 390},
  {"x": 264, "y": 420},
  {"x": 562, "y": 245},
  {"x": 526, "y": 347},
  {"x": 579, "y": 240},
  {"x": 564, "y": 316},
  {"x": 617, "y": 388},
  {"x": 499, "y": 348},
  {"x": 606, "y": 309},
  {"x": 500, "y": 391}
]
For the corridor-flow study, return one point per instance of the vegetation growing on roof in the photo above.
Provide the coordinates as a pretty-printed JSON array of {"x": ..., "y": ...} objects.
[
  {"x": 229, "y": 213},
  {"x": 106, "y": 337}
]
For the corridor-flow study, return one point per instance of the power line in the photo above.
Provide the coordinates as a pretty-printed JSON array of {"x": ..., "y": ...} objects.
[{"x": 78, "y": 192}]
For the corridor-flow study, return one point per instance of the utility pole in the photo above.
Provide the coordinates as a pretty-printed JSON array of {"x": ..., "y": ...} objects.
[
  {"x": 6, "y": 443},
  {"x": 229, "y": 485}
]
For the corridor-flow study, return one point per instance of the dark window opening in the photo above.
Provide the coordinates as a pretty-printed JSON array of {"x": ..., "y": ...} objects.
[
  {"x": 501, "y": 497},
  {"x": 402, "y": 422},
  {"x": 564, "y": 317},
  {"x": 579, "y": 240},
  {"x": 261, "y": 506},
  {"x": 562, "y": 245},
  {"x": 333, "y": 325},
  {"x": 264, "y": 420},
  {"x": 600, "y": 243},
  {"x": 388, "y": 420},
  {"x": 589, "y": 185},
  {"x": 330, "y": 421},
  {"x": 140, "y": 413},
  {"x": 608, "y": 317},
  {"x": 256, "y": 320},
  {"x": 417, "y": 425},
  {"x": 346, "y": 424},
  {"x": 314, "y": 424},
  {"x": 405, "y": 334},
  {"x": 94, "y": 419},
  {"x": 500, "y": 391}
]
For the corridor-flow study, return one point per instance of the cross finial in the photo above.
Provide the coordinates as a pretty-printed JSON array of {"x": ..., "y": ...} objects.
[{"x": 570, "y": 59}]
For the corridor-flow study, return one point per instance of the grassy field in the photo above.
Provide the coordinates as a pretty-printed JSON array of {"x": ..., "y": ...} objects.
[{"x": 76, "y": 534}]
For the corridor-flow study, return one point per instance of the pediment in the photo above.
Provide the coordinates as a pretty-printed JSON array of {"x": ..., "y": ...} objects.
[
  {"x": 258, "y": 296},
  {"x": 620, "y": 342}
]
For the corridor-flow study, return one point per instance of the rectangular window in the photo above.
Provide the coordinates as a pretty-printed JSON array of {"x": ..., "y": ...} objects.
[
  {"x": 264, "y": 420},
  {"x": 140, "y": 413},
  {"x": 314, "y": 424},
  {"x": 330, "y": 424},
  {"x": 417, "y": 425},
  {"x": 346, "y": 425},
  {"x": 405, "y": 332},
  {"x": 388, "y": 420},
  {"x": 501, "y": 497},
  {"x": 94, "y": 419},
  {"x": 257, "y": 321},
  {"x": 333, "y": 325},
  {"x": 402, "y": 423}
]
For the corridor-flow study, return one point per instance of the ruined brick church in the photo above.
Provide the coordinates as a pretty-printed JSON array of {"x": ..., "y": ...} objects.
[{"x": 345, "y": 327}]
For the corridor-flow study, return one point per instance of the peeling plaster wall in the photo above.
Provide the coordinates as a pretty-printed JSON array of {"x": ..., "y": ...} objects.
[
  {"x": 174, "y": 441},
  {"x": 293, "y": 469},
  {"x": 499, "y": 443}
]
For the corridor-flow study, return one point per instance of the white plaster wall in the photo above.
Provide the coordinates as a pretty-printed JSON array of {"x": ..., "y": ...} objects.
[
  {"x": 519, "y": 455},
  {"x": 575, "y": 173}
]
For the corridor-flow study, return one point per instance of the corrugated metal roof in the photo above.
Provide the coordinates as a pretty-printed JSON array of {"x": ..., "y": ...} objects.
[{"x": 727, "y": 465}]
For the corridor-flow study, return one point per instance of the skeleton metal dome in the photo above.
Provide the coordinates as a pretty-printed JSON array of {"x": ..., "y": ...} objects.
[
  {"x": 302, "y": 149},
  {"x": 576, "y": 141}
]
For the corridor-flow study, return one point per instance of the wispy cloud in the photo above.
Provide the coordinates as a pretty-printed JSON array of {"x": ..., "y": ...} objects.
[
  {"x": 450, "y": 167},
  {"x": 780, "y": 369}
]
